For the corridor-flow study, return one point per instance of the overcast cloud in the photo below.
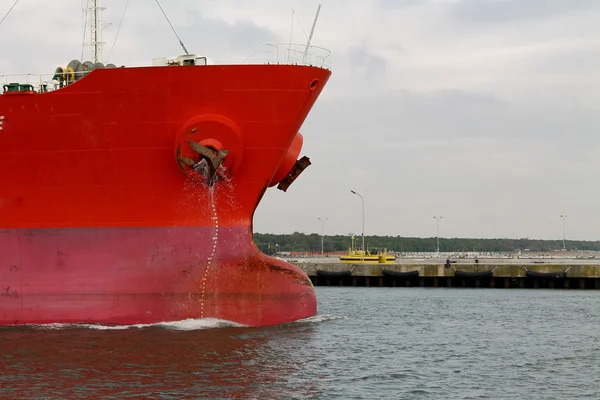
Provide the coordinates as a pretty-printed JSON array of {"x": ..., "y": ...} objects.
[{"x": 483, "y": 111}]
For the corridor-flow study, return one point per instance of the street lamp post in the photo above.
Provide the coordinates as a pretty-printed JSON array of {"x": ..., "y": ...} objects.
[
  {"x": 564, "y": 217},
  {"x": 322, "y": 233},
  {"x": 437, "y": 233},
  {"x": 363, "y": 225}
]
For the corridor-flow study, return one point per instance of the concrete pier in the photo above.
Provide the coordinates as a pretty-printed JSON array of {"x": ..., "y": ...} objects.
[{"x": 526, "y": 275}]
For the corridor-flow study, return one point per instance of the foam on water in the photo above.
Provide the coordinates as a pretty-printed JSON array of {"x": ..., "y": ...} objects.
[
  {"x": 317, "y": 319},
  {"x": 184, "y": 325}
]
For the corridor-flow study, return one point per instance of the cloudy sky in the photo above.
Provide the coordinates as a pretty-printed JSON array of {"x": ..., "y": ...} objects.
[{"x": 485, "y": 112}]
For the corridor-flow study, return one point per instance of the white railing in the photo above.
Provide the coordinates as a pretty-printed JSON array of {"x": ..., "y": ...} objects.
[
  {"x": 266, "y": 53},
  {"x": 40, "y": 82},
  {"x": 290, "y": 54}
]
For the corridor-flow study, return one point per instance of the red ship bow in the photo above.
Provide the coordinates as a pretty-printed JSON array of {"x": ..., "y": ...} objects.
[{"x": 127, "y": 195}]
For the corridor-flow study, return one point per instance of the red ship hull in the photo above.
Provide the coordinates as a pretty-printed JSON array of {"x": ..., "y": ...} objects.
[{"x": 100, "y": 222}]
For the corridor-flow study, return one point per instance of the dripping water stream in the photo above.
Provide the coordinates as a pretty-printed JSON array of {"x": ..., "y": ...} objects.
[
  {"x": 201, "y": 199},
  {"x": 215, "y": 238}
]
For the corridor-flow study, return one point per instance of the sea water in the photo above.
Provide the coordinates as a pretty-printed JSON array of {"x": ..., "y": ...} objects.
[{"x": 366, "y": 343}]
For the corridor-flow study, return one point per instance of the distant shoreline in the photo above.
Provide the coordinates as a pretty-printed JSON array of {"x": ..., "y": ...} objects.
[{"x": 300, "y": 242}]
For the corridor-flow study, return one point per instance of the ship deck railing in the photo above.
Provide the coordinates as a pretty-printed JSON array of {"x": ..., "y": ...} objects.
[
  {"x": 266, "y": 53},
  {"x": 290, "y": 54},
  {"x": 40, "y": 82}
]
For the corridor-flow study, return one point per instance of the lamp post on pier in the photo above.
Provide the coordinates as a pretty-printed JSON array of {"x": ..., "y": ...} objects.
[
  {"x": 322, "y": 233},
  {"x": 437, "y": 233},
  {"x": 363, "y": 225},
  {"x": 564, "y": 217}
]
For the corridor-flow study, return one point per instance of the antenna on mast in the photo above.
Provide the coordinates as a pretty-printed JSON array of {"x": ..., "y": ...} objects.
[{"x": 312, "y": 30}]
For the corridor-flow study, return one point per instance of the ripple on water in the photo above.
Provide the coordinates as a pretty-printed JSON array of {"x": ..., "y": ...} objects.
[{"x": 374, "y": 343}]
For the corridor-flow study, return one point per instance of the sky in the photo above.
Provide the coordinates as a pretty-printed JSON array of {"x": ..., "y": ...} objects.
[{"x": 484, "y": 112}]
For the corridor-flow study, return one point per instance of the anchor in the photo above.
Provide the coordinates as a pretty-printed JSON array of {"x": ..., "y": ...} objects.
[
  {"x": 296, "y": 170},
  {"x": 209, "y": 162}
]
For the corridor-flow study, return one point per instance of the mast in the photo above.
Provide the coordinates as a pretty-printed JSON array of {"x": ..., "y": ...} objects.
[
  {"x": 96, "y": 27},
  {"x": 312, "y": 30}
]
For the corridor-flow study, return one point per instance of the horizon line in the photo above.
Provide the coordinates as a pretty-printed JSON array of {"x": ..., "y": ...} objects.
[{"x": 431, "y": 237}]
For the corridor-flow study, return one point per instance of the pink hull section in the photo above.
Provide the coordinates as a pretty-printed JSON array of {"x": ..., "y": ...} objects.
[{"x": 146, "y": 275}]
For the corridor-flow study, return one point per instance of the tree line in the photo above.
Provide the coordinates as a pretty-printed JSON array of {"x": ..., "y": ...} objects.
[{"x": 269, "y": 243}]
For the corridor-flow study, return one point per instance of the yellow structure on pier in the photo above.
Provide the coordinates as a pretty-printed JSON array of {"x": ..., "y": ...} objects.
[{"x": 356, "y": 256}]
